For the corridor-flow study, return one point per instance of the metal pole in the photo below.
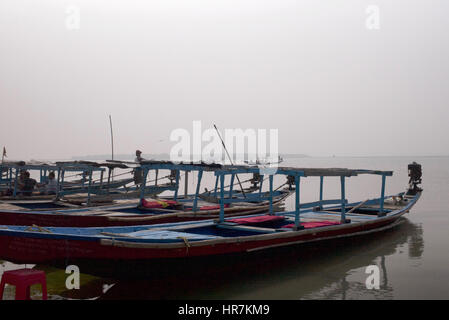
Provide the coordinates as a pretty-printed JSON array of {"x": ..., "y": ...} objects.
[
  {"x": 224, "y": 146},
  {"x": 58, "y": 184},
  {"x": 382, "y": 196},
  {"x": 343, "y": 200},
  {"x": 62, "y": 178},
  {"x": 222, "y": 198},
  {"x": 261, "y": 184},
  {"x": 321, "y": 190},
  {"x": 109, "y": 179},
  {"x": 101, "y": 181},
  {"x": 88, "y": 188},
  {"x": 177, "y": 186},
  {"x": 297, "y": 203},
  {"x": 270, "y": 178},
  {"x": 15, "y": 183},
  {"x": 195, "y": 201},
  {"x": 231, "y": 187},
  {"x": 186, "y": 184},
  {"x": 216, "y": 185},
  {"x": 112, "y": 143}
]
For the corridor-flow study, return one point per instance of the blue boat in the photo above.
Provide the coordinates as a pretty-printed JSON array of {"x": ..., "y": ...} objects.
[
  {"x": 174, "y": 208},
  {"x": 309, "y": 222}
]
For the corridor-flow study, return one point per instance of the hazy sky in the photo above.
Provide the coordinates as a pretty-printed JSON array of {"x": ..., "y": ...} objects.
[{"x": 311, "y": 69}]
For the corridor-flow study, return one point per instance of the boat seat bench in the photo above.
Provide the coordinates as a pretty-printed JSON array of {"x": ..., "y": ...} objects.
[
  {"x": 165, "y": 235},
  {"x": 240, "y": 227}
]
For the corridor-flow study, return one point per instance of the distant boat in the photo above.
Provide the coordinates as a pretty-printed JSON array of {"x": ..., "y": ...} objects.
[{"x": 264, "y": 162}]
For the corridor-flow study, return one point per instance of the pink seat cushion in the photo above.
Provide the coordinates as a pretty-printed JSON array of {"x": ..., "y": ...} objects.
[
  {"x": 315, "y": 224},
  {"x": 157, "y": 203},
  {"x": 256, "y": 220}
]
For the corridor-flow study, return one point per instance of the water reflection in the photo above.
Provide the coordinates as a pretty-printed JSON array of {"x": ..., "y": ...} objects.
[
  {"x": 377, "y": 251},
  {"x": 325, "y": 270}
]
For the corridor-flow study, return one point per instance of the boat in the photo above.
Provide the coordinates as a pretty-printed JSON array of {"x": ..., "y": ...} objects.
[
  {"x": 311, "y": 222},
  {"x": 64, "y": 188},
  {"x": 156, "y": 210}
]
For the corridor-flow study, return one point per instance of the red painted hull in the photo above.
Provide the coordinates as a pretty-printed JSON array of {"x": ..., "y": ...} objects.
[
  {"x": 86, "y": 220},
  {"x": 79, "y": 221},
  {"x": 45, "y": 250}
]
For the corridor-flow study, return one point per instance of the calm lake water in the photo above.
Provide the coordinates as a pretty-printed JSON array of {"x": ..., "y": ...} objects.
[{"x": 413, "y": 258}]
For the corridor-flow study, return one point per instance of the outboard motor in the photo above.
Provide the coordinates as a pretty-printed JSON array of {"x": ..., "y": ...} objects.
[{"x": 415, "y": 174}]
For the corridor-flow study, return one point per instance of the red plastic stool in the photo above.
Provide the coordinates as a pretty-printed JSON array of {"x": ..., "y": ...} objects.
[{"x": 23, "y": 279}]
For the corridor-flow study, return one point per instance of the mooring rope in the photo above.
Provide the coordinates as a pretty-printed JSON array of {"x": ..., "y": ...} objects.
[
  {"x": 40, "y": 229},
  {"x": 186, "y": 241}
]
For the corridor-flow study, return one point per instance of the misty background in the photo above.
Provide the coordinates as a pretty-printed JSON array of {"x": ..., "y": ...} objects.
[{"x": 311, "y": 69}]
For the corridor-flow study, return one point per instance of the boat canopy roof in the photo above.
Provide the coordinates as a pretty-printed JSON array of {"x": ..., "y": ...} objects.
[
  {"x": 339, "y": 172},
  {"x": 218, "y": 168},
  {"x": 64, "y": 165},
  {"x": 108, "y": 164},
  {"x": 237, "y": 169}
]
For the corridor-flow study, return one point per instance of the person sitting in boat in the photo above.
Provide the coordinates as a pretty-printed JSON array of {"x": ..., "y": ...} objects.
[
  {"x": 20, "y": 181},
  {"x": 26, "y": 184},
  {"x": 138, "y": 173},
  {"x": 50, "y": 186}
]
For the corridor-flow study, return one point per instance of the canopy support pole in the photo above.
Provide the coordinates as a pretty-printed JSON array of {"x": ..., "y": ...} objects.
[
  {"x": 231, "y": 187},
  {"x": 58, "y": 184},
  {"x": 177, "y": 186},
  {"x": 343, "y": 202},
  {"x": 16, "y": 181},
  {"x": 101, "y": 180},
  {"x": 297, "y": 203},
  {"x": 186, "y": 184},
  {"x": 321, "y": 191},
  {"x": 88, "y": 188},
  {"x": 216, "y": 185},
  {"x": 109, "y": 180},
  {"x": 222, "y": 198},
  {"x": 195, "y": 202},
  {"x": 271, "y": 193},
  {"x": 382, "y": 197}
]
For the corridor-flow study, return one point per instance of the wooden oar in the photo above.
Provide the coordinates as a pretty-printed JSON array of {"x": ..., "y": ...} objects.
[
  {"x": 350, "y": 211},
  {"x": 357, "y": 206}
]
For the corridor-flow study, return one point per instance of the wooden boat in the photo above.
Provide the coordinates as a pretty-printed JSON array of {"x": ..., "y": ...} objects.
[
  {"x": 321, "y": 220},
  {"x": 11, "y": 170},
  {"x": 129, "y": 213},
  {"x": 198, "y": 206}
]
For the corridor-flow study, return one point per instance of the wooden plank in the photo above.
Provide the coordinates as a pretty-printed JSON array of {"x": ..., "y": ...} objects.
[{"x": 246, "y": 228}]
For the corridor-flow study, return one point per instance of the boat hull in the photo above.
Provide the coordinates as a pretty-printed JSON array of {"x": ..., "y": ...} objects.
[
  {"x": 45, "y": 248},
  {"x": 92, "y": 218}
]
